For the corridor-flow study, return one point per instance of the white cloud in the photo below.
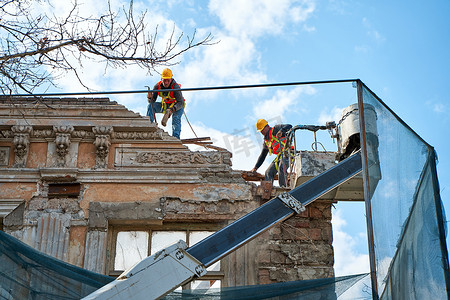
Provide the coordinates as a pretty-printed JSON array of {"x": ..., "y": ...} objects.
[
  {"x": 340, "y": 7},
  {"x": 230, "y": 60},
  {"x": 309, "y": 28},
  {"x": 303, "y": 11},
  {"x": 374, "y": 34},
  {"x": 362, "y": 48},
  {"x": 440, "y": 108},
  {"x": 347, "y": 260},
  {"x": 235, "y": 59},
  {"x": 326, "y": 115},
  {"x": 282, "y": 101},
  {"x": 254, "y": 18}
]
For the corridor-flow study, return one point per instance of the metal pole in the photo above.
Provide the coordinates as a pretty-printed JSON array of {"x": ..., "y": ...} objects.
[
  {"x": 440, "y": 219},
  {"x": 373, "y": 268}
]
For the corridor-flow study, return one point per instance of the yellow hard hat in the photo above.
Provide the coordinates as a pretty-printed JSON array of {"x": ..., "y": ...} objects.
[
  {"x": 260, "y": 124},
  {"x": 166, "y": 74}
]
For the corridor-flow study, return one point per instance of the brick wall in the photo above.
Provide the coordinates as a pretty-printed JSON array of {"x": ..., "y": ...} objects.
[{"x": 300, "y": 248}]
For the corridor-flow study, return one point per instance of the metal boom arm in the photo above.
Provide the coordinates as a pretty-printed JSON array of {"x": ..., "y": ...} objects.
[{"x": 159, "y": 274}]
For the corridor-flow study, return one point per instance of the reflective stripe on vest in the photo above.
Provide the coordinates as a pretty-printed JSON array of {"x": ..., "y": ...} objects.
[
  {"x": 169, "y": 98},
  {"x": 274, "y": 143}
]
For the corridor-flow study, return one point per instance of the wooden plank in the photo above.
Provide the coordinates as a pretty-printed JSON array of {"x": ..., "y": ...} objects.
[
  {"x": 228, "y": 265},
  {"x": 198, "y": 143},
  {"x": 195, "y": 139},
  {"x": 95, "y": 251},
  {"x": 250, "y": 264},
  {"x": 266, "y": 190},
  {"x": 64, "y": 189}
]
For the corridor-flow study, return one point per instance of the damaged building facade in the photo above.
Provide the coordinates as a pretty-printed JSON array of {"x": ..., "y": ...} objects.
[{"x": 96, "y": 185}]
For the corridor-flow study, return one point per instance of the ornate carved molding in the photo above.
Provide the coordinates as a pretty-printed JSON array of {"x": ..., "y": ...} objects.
[
  {"x": 186, "y": 158},
  {"x": 138, "y": 135},
  {"x": 43, "y": 133},
  {"x": 4, "y": 156},
  {"x": 6, "y": 134},
  {"x": 102, "y": 143},
  {"x": 62, "y": 141},
  {"x": 50, "y": 133},
  {"x": 86, "y": 134},
  {"x": 83, "y": 134},
  {"x": 21, "y": 142}
]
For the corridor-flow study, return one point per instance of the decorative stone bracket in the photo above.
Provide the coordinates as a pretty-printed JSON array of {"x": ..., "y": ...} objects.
[
  {"x": 21, "y": 143},
  {"x": 62, "y": 141},
  {"x": 102, "y": 143}
]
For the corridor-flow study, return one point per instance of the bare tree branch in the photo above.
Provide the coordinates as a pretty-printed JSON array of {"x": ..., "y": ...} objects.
[{"x": 36, "y": 49}]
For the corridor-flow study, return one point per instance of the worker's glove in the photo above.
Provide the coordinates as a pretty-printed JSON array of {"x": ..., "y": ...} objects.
[{"x": 149, "y": 97}]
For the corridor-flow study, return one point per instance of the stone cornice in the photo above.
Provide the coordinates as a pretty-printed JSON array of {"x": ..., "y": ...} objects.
[
  {"x": 153, "y": 175},
  {"x": 90, "y": 134},
  {"x": 8, "y": 205}
]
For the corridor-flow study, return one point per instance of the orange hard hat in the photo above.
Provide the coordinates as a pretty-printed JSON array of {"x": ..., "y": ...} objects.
[
  {"x": 166, "y": 74},
  {"x": 260, "y": 124}
]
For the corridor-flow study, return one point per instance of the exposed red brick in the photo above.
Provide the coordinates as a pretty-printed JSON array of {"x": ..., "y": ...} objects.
[
  {"x": 305, "y": 213},
  {"x": 315, "y": 234},
  {"x": 315, "y": 213}
]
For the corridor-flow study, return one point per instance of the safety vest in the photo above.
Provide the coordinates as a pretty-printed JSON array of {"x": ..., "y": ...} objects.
[
  {"x": 276, "y": 146},
  {"x": 169, "y": 98},
  {"x": 274, "y": 143}
]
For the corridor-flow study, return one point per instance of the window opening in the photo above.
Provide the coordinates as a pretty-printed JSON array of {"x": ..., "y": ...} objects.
[{"x": 131, "y": 246}]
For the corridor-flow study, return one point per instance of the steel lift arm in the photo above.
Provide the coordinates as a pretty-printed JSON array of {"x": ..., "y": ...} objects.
[{"x": 161, "y": 273}]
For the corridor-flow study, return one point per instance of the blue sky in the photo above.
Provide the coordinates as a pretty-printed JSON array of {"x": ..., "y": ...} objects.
[{"x": 399, "y": 49}]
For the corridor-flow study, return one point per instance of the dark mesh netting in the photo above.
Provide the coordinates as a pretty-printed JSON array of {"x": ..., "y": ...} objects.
[
  {"x": 29, "y": 274},
  {"x": 317, "y": 289},
  {"x": 408, "y": 219},
  {"x": 414, "y": 253}
]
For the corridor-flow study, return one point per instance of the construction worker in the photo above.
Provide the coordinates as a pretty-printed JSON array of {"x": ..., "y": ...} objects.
[
  {"x": 172, "y": 103},
  {"x": 274, "y": 142}
]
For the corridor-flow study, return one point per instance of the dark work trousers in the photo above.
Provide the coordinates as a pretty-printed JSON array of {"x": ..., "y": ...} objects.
[{"x": 283, "y": 165}]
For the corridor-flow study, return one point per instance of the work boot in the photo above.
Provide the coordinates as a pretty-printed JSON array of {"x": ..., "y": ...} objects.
[{"x": 166, "y": 117}]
